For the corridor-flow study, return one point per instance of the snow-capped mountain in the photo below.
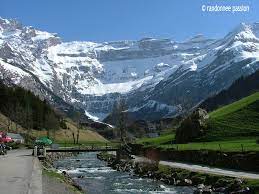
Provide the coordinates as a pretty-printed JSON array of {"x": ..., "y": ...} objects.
[{"x": 157, "y": 77}]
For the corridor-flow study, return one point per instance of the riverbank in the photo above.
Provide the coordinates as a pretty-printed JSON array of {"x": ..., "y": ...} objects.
[
  {"x": 204, "y": 183},
  {"x": 54, "y": 182},
  {"x": 95, "y": 177}
]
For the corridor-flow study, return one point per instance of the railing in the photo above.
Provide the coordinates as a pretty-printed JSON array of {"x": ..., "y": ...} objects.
[{"x": 83, "y": 149}]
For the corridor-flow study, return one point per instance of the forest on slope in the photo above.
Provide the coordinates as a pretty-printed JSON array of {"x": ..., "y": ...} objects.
[
  {"x": 24, "y": 108},
  {"x": 241, "y": 88}
]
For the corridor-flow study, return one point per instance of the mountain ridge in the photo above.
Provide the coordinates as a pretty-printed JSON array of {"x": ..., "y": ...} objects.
[{"x": 160, "y": 77}]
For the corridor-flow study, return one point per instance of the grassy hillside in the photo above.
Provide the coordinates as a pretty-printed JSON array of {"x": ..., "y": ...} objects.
[
  {"x": 64, "y": 136},
  {"x": 234, "y": 127},
  {"x": 238, "y": 119},
  {"x": 61, "y": 136},
  {"x": 231, "y": 108}
]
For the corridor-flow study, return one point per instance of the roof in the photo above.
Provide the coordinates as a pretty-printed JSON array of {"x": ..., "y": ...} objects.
[{"x": 15, "y": 136}]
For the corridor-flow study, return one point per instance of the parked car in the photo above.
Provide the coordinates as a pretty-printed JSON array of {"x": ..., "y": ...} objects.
[
  {"x": 16, "y": 137},
  {"x": 5, "y": 138}
]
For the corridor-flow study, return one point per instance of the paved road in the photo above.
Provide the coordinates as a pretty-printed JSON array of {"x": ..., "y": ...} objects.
[
  {"x": 20, "y": 173},
  {"x": 206, "y": 169}
]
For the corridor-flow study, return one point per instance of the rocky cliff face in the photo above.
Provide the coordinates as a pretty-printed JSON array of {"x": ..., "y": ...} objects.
[
  {"x": 158, "y": 78},
  {"x": 222, "y": 62}
]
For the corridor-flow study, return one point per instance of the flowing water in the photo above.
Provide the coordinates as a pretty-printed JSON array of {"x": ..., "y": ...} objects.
[{"x": 96, "y": 178}]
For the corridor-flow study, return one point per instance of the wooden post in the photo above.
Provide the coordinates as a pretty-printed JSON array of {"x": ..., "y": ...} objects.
[
  {"x": 118, "y": 154},
  {"x": 219, "y": 147},
  {"x": 44, "y": 152}
]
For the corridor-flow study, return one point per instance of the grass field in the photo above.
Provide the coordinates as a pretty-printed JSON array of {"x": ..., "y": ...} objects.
[
  {"x": 165, "y": 139},
  {"x": 240, "y": 145},
  {"x": 232, "y": 144}
]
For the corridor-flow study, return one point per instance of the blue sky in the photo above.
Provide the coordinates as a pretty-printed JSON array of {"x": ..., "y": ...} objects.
[{"x": 108, "y": 20}]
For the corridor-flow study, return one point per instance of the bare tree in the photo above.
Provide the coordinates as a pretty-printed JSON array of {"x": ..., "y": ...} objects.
[
  {"x": 77, "y": 136},
  {"x": 52, "y": 124},
  {"x": 120, "y": 115},
  {"x": 77, "y": 118},
  {"x": 74, "y": 139},
  {"x": 18, "y": 116},
  {"x": 9, "y": 113}
]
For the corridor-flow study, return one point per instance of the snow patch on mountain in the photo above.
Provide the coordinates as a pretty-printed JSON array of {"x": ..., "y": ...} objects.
[
  {"x": 100, "y": 89},
  {"x": 95, "y": 75},
  {"x": 91, "y": 116},
  {"x": 41, "y": 35},
  {"x": 13, "y": 69},
  {"x": 155, "y": 106}
]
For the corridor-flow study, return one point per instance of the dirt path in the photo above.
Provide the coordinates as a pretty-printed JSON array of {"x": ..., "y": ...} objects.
[{"x": 206, "y": 169}]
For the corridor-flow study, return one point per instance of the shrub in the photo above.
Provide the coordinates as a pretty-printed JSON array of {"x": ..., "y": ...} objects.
[
  {"x": 192, "y": 127},
  {"x": 63, "y": 124},
  {"x": 14, "y": 145}
]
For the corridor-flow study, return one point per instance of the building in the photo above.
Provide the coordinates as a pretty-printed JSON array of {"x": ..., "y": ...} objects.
[
  {"x": 151, "y": 130},
  {"x": 16, "y": 137}
]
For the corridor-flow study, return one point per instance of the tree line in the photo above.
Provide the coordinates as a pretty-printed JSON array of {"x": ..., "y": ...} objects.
[
  {"x": 24, "y": 108},
  {"x": 242, "y": 87}
]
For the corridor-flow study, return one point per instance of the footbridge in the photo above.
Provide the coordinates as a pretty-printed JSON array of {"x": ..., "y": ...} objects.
[{"x": 83, "y": 149}]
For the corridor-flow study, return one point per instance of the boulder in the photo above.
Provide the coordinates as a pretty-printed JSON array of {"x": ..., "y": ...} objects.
[{"x": 202, "y": 189}]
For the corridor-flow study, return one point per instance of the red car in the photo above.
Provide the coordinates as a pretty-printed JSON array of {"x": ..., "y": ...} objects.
[{"x": 4, "y": 138}]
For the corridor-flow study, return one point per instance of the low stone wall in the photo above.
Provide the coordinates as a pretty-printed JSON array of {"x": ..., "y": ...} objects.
[
  {"x": 51, "y": 157},
  {"x": 247, "y": 161}
]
